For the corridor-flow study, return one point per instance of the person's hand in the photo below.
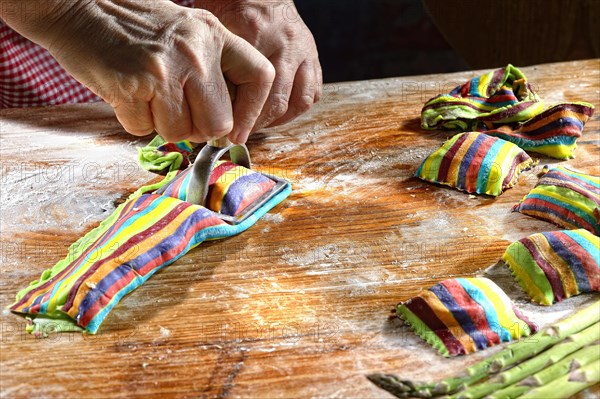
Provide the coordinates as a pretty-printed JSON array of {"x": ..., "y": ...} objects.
[
  {"x": 161, "y": 66},
  {"x": 278, "y": 32}
]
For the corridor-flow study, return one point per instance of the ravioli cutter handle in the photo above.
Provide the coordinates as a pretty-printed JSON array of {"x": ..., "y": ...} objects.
[
  {"x": 238, "y": 153},
  {"x": 222, "y": 142},
  {"x": 205, "y": 162}
]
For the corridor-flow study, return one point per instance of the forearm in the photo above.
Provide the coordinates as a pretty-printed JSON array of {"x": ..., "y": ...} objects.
[{"x": 34, "y": 18}]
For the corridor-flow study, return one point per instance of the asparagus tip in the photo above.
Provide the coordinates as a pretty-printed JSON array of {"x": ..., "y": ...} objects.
[
  {"x": 574, "y": 365},
  {"x": 390, "y": 383},
  {"x": 496, "y": 366},
  {"x": 578, "y": 376},
  {"x": 529, "y": 382}
]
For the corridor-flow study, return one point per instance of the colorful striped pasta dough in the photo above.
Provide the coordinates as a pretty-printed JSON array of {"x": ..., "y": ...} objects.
[
  {"x": 463, "y": 315},
  {"x": 503, "y": 104},
  {"x": 500, "y": 97},
  {"x": 475, "y": 163},
  {"x": 232, "y": 187},
  {"x": 143, "y": 235},
  {"x": 566, "y": 198},
  {"x": 553, "y": 132},
  {"x": 555, "y": 265}
]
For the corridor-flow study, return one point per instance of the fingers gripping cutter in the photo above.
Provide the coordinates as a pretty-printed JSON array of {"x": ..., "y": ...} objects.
[
  {"x": 205, "y": 162},
  {"x": 202, "y": 168}
]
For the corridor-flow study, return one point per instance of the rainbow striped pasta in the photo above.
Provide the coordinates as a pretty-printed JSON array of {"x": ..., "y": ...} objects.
[
  {"x": 464, "y": 315},
  {"x": 232, "y": 188},
  {"x": 503, "y": 104},
  {"x": 566, "y": 198},
  {"x": 475, "y": 163},
  {"x": 499, "y": 97},
  {"x": 553, "y": 132},
  {"x": 555, "y": 265},
  {"x": 143, "y": 235}
]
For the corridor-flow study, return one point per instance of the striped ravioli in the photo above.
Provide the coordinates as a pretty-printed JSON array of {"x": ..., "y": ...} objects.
[
  {"x": 232, "y": 188},
  {"x": 554, "y": 132},
  {"x": 555, "y": 265},
  {"x": 463, "y": 315},
  {"x": 475, "y": 163},
  {"x": 566, "y": 198},
  {"x": 141, "y": 236},
  {"x": 498, "y": 97}
]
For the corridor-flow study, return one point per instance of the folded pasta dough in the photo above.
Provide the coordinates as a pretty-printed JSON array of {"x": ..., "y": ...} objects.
[
  {"x": 555, "y": 265},
  {"x": 502, "y": 103},
  {"x": 554, "y": 132},
  {"x": 500, "y": 97},
  {"x": 143, "y": 235}
]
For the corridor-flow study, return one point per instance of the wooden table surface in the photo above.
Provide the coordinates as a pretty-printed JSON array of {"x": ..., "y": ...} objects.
[{"x": 297, "y": 306}]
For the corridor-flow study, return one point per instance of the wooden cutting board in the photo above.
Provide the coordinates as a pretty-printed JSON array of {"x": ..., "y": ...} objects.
[{"x": 298, "y": 305}]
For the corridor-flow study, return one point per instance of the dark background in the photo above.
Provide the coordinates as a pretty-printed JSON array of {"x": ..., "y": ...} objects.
[{"x": 366, "y": 39}]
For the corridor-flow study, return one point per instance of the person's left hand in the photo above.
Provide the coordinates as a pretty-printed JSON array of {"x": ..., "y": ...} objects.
[{"x": 276, "y": 30}]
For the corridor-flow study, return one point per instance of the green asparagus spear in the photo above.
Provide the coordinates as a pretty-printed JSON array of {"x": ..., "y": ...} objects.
[
  {"x": 393, "y": 385},
  {"x": 568, "y": 385},
  {"x": 575, "y": 360},
  {"x": 512, "y": 354},
  {"x": 536, "y": 363}
]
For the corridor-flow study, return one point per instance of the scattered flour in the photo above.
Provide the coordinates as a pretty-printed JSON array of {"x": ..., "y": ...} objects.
[
  {"x": 273, "y": 218},
  {"x": 165, "y": 332}
]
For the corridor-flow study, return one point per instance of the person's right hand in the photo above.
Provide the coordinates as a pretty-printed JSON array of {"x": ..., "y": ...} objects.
[{"x": 161, "y": 66}]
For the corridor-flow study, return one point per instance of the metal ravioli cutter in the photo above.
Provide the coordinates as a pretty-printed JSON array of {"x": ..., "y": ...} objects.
[{"x": 197, "y": 191}]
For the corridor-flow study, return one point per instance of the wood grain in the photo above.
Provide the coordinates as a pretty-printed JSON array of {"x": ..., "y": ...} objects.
[{"x": 298, "y": 305}]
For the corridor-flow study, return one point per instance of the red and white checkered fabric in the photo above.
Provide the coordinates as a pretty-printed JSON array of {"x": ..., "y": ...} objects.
[{"x": 31, "y": 77}]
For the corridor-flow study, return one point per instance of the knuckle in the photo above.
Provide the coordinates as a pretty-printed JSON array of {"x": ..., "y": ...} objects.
[
  {"x": 209, "y": 18},
  {"x": 289, "y": 32},
  {"x": 156, "y": 68},
  {"x": 255, "y": 24},
  {"x": 278, "y": 106},
  {"x": 245, "y": 121},
  {"x": 303, "y": 103},
  {"x": 266, "y": 72}
]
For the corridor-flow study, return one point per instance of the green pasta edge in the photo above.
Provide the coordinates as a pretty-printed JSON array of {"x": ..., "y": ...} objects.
[{"x": 421, "y": 329}]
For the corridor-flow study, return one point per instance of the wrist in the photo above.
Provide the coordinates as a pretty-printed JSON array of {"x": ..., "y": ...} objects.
[{"x": 34, "y": 18}]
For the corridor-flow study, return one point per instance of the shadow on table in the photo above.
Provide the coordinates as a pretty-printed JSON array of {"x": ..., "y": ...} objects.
[{"x": 94, "y": 118}]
